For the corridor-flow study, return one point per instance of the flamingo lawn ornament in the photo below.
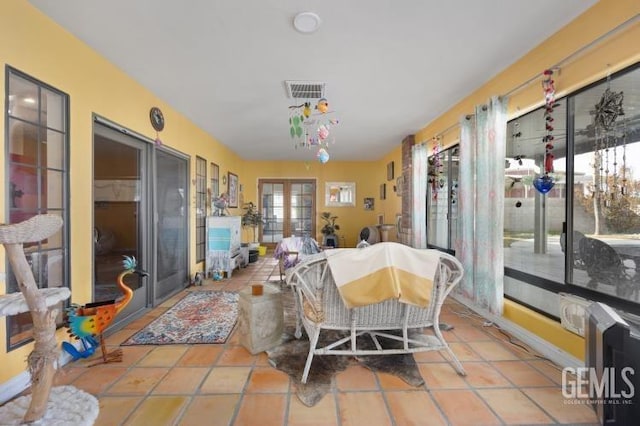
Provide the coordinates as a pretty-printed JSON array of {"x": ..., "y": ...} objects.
[{"x": 92, "y": 319}]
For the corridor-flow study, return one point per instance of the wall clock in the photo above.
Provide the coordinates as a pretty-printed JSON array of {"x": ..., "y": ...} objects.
[{"x": 157, "y": 119}]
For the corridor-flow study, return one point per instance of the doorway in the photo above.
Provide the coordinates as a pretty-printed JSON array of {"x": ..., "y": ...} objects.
[
  {"x": 120, "y": 212},
  {"x": 288, "y": 208}
]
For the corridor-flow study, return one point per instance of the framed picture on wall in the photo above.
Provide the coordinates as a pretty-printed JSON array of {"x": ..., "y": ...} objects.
[
  {"x": 368, "y": 203},
  {"x": 232, "y": 189},
  {"x": 383, "y": 191},
  {"x": 390, "y": 171}
]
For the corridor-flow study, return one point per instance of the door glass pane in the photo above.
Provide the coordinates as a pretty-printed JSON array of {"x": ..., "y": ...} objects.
[
  {"x": 117, "y": 217},
  {"x": 273, "y": 212},
  {"x": 172, "y": 180},
  {"x": 301, "y": 209},
  {"x": 453, "y": 195},
  {"x": 438, "y": 201}
]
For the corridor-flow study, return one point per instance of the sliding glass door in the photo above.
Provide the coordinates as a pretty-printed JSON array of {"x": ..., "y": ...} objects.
[
  {"x": 172, "y": 184},
  {"x": 121, "y": 206}
]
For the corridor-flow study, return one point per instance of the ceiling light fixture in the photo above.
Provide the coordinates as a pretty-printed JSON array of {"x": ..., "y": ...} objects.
[{"x": 307, "y": 22}]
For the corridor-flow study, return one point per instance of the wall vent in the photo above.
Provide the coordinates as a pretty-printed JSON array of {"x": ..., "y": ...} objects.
[{"x": 304, "y": 89}]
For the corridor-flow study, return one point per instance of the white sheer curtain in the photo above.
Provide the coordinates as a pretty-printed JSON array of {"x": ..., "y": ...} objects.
[
  {"x": 419, "y": 157},
  {"x": 481, "y": 202}
]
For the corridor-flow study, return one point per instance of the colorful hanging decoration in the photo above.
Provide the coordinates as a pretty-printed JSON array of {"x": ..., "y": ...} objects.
[
  {"x": 435, "y": 169},
  {"x": 323, "y": 155},
  {"x": 545, "y": 182},
  {"x": 312, "y": 129},
  {"x": 608, "y": 185}
]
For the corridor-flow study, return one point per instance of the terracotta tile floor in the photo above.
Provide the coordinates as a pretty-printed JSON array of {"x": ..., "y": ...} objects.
[{"x": 225, "y": 385}]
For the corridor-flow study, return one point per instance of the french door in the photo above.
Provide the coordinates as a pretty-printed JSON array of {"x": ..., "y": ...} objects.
[{"x": 288, "y": 207}]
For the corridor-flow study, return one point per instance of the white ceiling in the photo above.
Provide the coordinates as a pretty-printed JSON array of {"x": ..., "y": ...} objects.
[{"x": 390, "y": 67}]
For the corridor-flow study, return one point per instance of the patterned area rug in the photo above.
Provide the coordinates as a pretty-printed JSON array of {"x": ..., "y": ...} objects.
[{"x": 200, "y": 317}]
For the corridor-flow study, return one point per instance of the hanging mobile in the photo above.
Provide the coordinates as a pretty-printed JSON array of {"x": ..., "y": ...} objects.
[{"x": 545, "y": 182}]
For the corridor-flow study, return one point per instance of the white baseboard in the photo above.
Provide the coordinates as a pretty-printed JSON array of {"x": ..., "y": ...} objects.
[
  {"x": 544, "y": 348},
  {"x": 12, "y": 387}
]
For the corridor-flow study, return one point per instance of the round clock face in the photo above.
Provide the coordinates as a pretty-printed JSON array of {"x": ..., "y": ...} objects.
[{"x": 157, "y": 119}]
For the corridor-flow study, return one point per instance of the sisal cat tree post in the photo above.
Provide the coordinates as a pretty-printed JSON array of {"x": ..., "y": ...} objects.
[{"x": 40, "y": 302}]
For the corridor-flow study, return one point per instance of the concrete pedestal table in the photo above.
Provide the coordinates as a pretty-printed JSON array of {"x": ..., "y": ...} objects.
[{"x": 261, "y": 319}]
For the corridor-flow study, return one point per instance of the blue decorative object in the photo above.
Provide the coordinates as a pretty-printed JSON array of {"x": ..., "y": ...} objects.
[
  {"x": 543, "y": 183},
  {"x": 89, "y": 345}
]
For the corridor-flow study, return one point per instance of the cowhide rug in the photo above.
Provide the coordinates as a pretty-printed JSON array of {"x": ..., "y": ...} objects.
[{"x": 291, "y": 356}]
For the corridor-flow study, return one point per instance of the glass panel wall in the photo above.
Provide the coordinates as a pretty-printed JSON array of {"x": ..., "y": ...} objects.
[
  {"x": 606, "y": 187},
  {"x": 533, "y": 221},
  {"x": 584, "y": 241}
]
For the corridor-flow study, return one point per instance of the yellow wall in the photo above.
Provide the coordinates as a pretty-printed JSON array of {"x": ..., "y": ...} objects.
[
  {"x": 367, "y": 176},
  {"x": 612, "y": 54},
  {"x": 37, "y": 46},
  {"x": 34, "y": 44}
]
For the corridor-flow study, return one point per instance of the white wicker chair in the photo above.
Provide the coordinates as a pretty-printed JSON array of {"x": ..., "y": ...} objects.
[{"x": 320, "y": 307}]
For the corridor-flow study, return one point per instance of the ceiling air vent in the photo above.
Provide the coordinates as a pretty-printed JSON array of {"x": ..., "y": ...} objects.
[{"x": 305, "y": 89}]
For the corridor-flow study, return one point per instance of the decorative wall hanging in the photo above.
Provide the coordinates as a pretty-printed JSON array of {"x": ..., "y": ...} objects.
[
  {"x": 545, "y": 181},
  {"x": 312, "y": 130},
  {"x": 609, "y": 186},
  {"x": 383, "y": 191},
  {"x": 390, "y": 171},
  {"x": 157, "y": 122},
  {"x": 232, "y": 189},
  {"x": 368, "y": 203}
]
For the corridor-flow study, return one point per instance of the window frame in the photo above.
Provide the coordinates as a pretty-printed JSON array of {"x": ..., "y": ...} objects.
[
  {"x": 201, "y": 208},
  {"x": 567, "y": 286},
  {"x": 63, "y": 210}
]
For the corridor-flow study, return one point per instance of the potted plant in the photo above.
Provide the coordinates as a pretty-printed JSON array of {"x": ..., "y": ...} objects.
[
  {"x": 251, "y": 218},
  {"x": 329, "y": 229}
]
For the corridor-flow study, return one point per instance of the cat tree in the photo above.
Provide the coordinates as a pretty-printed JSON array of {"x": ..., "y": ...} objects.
[{"x": 46, "y": 404}]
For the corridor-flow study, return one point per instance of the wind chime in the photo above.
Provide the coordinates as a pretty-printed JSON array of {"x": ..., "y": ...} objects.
[
  {"x": 607, "y": 111},
  {"x": 545, "y": 181},
  {"x": 311, "y": 130}
]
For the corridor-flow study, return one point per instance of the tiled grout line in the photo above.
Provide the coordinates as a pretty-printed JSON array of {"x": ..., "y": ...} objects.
[
  {"x": 526, "y": 361},
  {"x": 335, "y": 391}
]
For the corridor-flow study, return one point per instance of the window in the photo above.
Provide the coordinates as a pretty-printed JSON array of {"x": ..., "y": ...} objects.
[
  {"x": 605, "y": 221},
  {"x": 533, "y": 221},
  {"x": 442, "y": 206},
  {"x": 582, "y": 236},
  {"x": 37, "y": 182},
  {"x": 215, "y": 181},
  {"x": 201, "y": 208}
]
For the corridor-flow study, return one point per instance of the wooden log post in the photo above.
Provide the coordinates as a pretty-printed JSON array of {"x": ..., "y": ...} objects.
[
  {"x": 42, "y": 360},
  {"x": 45, "y": 352}
]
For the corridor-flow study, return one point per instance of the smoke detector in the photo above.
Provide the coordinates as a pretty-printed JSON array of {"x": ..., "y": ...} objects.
[{"x": 306, "y": 22}]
